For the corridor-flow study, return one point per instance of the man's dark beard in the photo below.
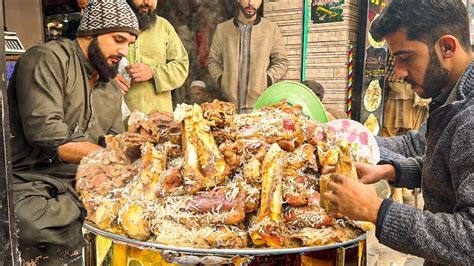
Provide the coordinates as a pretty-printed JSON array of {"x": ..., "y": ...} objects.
[
  {"x": 436, "y": 77},
  {"x": 99, "y": 61},
  {"x": 247, "y": 15},
  {"x": 145, "y": 20}
]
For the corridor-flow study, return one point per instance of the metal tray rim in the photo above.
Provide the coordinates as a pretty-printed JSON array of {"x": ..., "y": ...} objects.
[{"x": 244, "y": 252}]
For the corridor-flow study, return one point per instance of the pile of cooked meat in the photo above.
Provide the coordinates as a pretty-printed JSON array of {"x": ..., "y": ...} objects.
[{"x": 207, "y": 177}]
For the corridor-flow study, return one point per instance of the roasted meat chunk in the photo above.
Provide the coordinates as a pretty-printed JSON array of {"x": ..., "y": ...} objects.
[
  {"x": 153, "y": 164},
  {"x": 221, "y": 205},
  {"x": 205, "y": 167},
  {"x": 104, "y": 172},
  {"x": 323, "y": 236},
  {"x": 270, "y": 127},
  {"x": 157, "y": 127},
  {"x": 218, "y": 113},
  {"x": 269, "y": 228},
  {"x": 307, "y": 216}
]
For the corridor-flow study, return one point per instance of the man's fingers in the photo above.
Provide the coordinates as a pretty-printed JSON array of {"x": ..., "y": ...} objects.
[
  {"x": 123, "y": 82},
  {"x": 332, "y": 202},
  {"x": 329, "y": 196},
  {"x": 360, "y": 168},
  {"x": 333, "y": 187},
  {"x": 337, "y": 178},
  {"x": 326, "y": 169},
  {"x": 133, "y": 71},
  {"x": 136, "y": 76},
  {"x": 123, "y": 89},
  {"x": 132, "y": 66},
  {"x": 333, "y": 208},
  {"x": 366, "y": 180}
]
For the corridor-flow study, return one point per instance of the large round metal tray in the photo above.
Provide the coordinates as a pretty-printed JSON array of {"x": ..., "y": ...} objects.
[{"x": 236, "y": 252}]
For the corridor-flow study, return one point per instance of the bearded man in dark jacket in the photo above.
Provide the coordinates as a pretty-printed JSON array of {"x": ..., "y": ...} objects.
[{"x": 430, "y": 42}]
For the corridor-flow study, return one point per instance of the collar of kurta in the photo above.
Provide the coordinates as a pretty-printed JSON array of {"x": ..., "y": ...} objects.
[
  {"x": 257, "y": 20},
  {"x": 84, "y": 60}
]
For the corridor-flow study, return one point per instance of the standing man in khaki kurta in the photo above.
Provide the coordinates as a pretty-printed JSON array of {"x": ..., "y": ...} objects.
[
  {"x": 247, "y": 55},
  {"x": 62, "y": 100},
  {"x": 158, "y": 62}
]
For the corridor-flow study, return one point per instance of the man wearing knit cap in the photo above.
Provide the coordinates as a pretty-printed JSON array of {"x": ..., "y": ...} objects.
[
  {"x": 158, "y": 61},
  {"x": 63, "y": 99}
]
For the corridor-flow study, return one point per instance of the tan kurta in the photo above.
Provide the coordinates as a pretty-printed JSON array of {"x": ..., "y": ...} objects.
[
  {"x": 403, "y": 110},
  {"x": 161, "y": 48},
  {"x": 268, "y": 58}
]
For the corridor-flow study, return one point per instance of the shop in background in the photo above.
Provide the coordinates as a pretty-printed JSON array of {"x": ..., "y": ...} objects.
[
  {"x": 61, "y": 19},
  {"x": 370, "y": 69},
  {"x": 325, "y": 11}
]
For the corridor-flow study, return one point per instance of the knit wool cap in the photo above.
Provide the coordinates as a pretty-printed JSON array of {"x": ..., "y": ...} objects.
[{"x": 105, "y": 16}]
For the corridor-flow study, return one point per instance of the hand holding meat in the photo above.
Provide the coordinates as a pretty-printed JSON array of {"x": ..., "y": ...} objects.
[
  {"x": 352, "y": 199},
  {"x": 370, "y": 174}
]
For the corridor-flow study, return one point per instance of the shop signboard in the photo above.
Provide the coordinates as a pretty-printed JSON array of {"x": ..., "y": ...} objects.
[
  {"x": 326, "y": 11},
  {"x": 371, "y": 64}
]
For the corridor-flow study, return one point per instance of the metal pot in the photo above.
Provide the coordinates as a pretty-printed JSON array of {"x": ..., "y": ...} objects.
[
  {"x": 134, "y": 252},
  {"x": 131, "y": 252}
]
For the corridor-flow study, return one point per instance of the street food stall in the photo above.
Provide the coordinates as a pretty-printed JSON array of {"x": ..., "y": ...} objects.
[
  {"x": 206, "y": 185},
  {"x": 111, "y": 242}
]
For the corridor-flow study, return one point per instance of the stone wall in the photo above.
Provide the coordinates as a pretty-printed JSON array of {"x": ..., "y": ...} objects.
[{"x": 328, "y": 46}]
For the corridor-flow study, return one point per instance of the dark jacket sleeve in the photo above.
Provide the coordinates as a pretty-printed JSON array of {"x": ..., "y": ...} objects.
[
  {"x": 442, "y": 237},
  {"x": 39, "y": 88},
  {"x": 412, "y": 144}
]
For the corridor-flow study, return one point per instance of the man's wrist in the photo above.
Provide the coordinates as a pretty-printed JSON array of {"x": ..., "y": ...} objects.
[
  {"x": 388, "y": 171},
  {"x": 383, "y": 208},
  {"x": 374, "y": 210}
]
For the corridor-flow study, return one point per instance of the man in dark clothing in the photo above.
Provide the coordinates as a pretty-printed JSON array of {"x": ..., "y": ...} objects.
[
  {"x": 430, "y": 42},
  {"x": 411, "y": 144},
  {"x": 62, "y": 99}
]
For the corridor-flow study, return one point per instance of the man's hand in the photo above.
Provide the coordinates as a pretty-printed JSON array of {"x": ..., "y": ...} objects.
[
  {"x": 369, "y": 173},
  {"x": 352, "y": 199},
  {"x": 123, "y": 83},
  {"x": 73, "y": 152},
  {"x": 139, "y": 72}
]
